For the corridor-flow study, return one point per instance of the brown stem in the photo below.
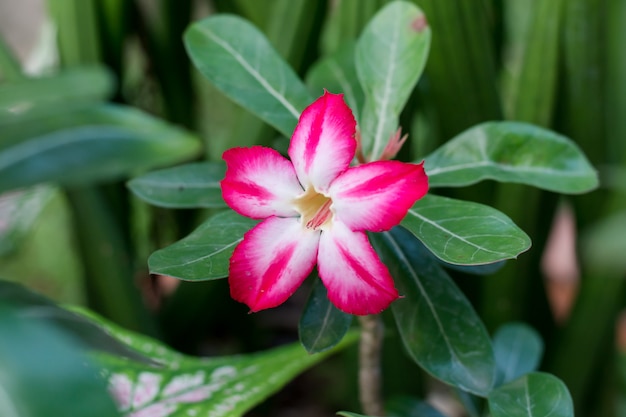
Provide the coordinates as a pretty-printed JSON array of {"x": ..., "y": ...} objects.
[{"x": 369, "y": 365}]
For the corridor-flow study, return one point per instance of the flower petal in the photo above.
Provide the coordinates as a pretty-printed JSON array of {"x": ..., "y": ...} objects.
[
  {"x": 271, "y": 262},
  {"x": 323, "y": 144},
  {"x": 259, "y": 183},
  {"x": 356, "y": 280},
  {"x": 376, "y": 196}
]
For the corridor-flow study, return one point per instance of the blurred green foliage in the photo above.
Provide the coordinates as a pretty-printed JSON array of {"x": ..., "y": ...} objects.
[{"x": 556, "y": 63}]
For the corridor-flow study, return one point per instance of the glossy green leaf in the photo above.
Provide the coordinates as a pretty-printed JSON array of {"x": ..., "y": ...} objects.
[
  {"x": 71, "y": 88},
  {"x": 463, "y": 232},
  {"x": 390, "y": 56},
  {"x": 439, "y": 328},
  {"x": 237, "y": 58},
  {"x": 411, "y": 407},
  {"x": 484, "y": 269},
  {"x": 90, "y": 145},
  {"x": 511, "y": 152},
  {"x": 518, "y": 349},
  {"x": 349, "y": 414},
  {"x": 337, "y": 74},
  {"x": 534, "y": 395},
  {"x": 183, "y": 385},
  {"x": 45, "y": 372},
  {"x": 194, "y": 185},
  {"x": 205, "y": 253},
  {"x": 322, "y": 325}
]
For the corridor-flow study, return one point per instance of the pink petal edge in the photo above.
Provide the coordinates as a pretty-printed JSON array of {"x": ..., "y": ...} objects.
[
  {"x": 356, "y": 279},
  {"x": 323, "y": 143},
  {"x": 259, "y": 182},
  {"x": 271, "y": 262},
  {"x": 376, "y": 196}
]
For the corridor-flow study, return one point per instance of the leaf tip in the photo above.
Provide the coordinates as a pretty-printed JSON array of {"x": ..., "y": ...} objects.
[{"x": 419, "y": 24}]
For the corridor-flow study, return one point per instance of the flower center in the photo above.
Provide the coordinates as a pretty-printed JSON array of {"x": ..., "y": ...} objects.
[{"x": 314, "y": 207}]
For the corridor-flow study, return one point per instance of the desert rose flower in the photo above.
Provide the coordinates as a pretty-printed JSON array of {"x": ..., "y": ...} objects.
[{"x": 316, "y": 210}]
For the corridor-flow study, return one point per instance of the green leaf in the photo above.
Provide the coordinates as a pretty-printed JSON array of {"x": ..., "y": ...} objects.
[
  {"x": 484, "y": 269},
  {"x": 411, "y": 407},
  {"x": 184, "y": 385},
  {"x": 518, "y": 349},
  {"x": 337, "y": 74},
  {"x": 153, "y": 379},
  {"x": 194, "y": 185},
  {"x": 322, "y": 325},
  {"x": 463, "y": 232},
  {"x": 349, "y": 414},
  {"x": 42, "y": 310},
  {"x": 45, "y": 372},
  {"x": 439, "y": 328},
  {"x": 534, "y": 395},
  {"x": 237, "y": 58},
  {"x": 90, "y": 145},
  {"x": 390, "y": 56},
  {"x": 72, "y": 88},
  {"x": 205, "y": 253},
  {"x": 511, "y": 152}
]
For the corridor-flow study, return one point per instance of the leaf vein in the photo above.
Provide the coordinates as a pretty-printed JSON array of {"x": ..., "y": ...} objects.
[{"x": 257, "y": 76}]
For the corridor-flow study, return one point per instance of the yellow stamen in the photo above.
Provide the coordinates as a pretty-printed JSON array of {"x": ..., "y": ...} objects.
[{"x": 315, "y": 209}]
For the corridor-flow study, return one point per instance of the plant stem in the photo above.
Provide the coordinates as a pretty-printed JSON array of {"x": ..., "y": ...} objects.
[
  {"x": 370, "y": 347},
  {"x": 109, "y": 275}
]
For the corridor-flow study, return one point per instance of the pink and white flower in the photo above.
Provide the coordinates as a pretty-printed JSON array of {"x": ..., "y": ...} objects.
[{"x": 315, "y": 210}]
